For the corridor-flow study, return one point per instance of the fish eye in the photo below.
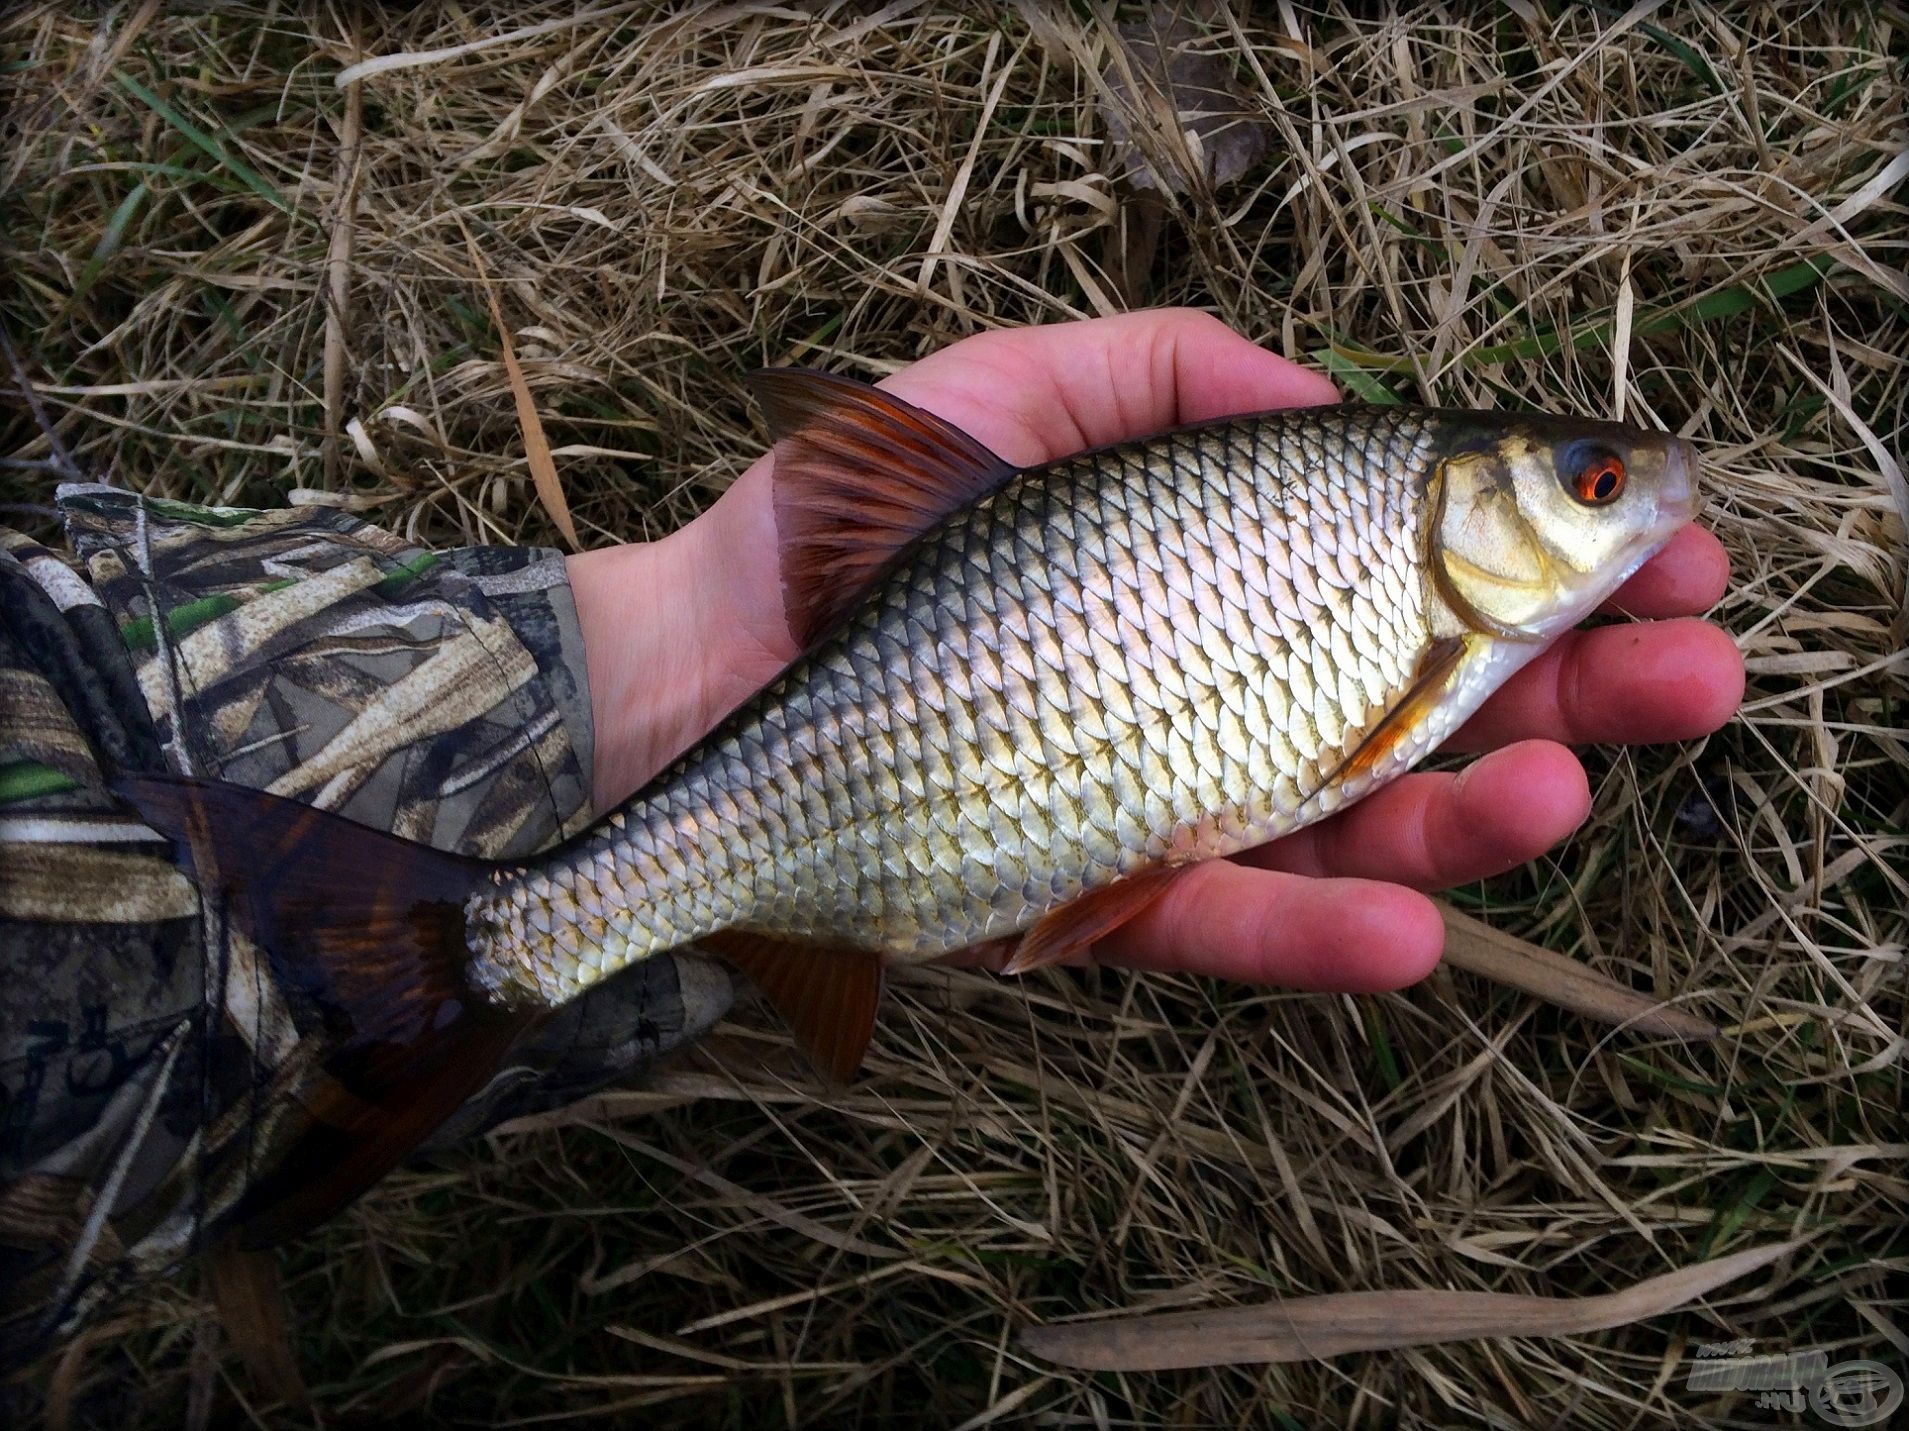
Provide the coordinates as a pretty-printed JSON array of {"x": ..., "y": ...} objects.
[{"x": 1594, "y": 475}]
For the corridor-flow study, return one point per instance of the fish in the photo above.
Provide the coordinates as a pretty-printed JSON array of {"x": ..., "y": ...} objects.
[{"x": 1028, "y": 700}]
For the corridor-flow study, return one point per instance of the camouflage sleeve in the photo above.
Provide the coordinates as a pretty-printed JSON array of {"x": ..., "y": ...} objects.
[{"x": 150, "y": 1066}]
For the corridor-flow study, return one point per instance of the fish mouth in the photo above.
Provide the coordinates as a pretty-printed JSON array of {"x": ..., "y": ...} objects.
[{"x": 1678, "y": 499}]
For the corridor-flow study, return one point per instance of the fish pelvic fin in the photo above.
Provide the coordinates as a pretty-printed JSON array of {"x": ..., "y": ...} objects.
[
  {"x": 1074, "y": 928},
  {"x": 368, "y": 929},
  {"x": 859, "y": 474},
  {"x": 827, "y": 995}
]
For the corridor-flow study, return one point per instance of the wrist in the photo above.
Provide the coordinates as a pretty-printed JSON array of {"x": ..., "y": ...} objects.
[
  {"x": 676, "y": 632},
  {"x": 625, "y": 597}
]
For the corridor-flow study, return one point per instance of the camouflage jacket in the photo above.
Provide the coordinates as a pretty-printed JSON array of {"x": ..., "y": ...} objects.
[{"x": 150, "y": 1067}]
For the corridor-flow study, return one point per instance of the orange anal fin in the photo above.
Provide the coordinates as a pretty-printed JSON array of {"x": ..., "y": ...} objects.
[
  {"x": 826, "y": 995},
  {"x": 368, "y": 931},
  {"x": 859, "y": 474},
  {"x": 1435, "y": 671},
  {"x": 1074, "y": 928}
]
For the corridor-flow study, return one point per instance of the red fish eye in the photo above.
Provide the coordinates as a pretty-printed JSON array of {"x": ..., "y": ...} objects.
[{"x": 1600, "y": 479}]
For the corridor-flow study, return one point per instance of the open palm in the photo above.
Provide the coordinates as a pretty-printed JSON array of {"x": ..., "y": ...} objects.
[{"x": 678, "y": 632}]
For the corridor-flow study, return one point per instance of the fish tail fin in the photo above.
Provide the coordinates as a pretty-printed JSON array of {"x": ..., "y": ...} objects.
[{"x": 368, "y": 929}]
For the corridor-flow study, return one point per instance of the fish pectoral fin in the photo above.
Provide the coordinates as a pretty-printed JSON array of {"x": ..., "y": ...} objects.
[
  {"x": 369, "y": 929},
  {"x": 1074, "y": 928},
  {"x": 859, "y": 474},
  {"x": 826, "y": 994},
  {"x": 1435, "y": 671}
]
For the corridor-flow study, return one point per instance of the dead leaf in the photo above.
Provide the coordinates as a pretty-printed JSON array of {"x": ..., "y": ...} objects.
[
  {"x": 1177, "y": 123},
  {"x": 1177, "y": 119},
  {"x": 1474, "y": 946},
  {"x": 1310, "y": 1328},
  {"x": 543, "y": 467}
]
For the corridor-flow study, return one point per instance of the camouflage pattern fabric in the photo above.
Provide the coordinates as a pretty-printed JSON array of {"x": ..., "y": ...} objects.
[{"x": 150, "y": 1064}]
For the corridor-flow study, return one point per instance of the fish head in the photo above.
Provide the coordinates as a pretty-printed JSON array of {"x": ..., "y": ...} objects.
[{"x": 1539, "y": 519}]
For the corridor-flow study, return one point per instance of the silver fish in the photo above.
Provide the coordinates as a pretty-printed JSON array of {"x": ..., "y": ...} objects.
[{"x": 1029, "y": 700}]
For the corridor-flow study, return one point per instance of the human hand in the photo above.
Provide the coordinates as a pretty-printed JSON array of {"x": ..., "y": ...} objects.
[{"x": 679, "y": 631}]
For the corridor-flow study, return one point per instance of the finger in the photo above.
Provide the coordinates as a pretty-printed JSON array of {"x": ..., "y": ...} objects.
[
  {"x": 1035, "y": 394},
  {"x": 1218, "y": 373},
  {"x": 1268, "y": 927},
  {"x": 1435, "y": 830},
  {"x": 1686, "y": 578},
  {"x": 1616, "y": 685}
]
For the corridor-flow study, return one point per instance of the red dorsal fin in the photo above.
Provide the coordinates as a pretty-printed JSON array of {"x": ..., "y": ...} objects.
[
  {"x": 370, "y": 929},
  {"x": 859, "y": 475},
  {"x": 1073, "y": 928},
  {"x": 826, "y": 995}
]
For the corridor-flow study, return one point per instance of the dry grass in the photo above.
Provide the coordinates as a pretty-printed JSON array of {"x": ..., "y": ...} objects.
[{"x": 1695, "y": 217}]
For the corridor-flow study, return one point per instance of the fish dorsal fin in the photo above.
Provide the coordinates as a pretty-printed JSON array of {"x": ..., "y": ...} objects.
[
  {"x": 825, "y": 994},
  {"x": 859, "y": 475}
]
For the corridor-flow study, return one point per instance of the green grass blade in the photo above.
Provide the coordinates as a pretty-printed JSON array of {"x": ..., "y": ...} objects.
[
  {"x": 1342, "y": 361},
  {"x": 109, "y": 240},
  {"x": 1730, "y": 1219},
  {"x": 1382, "y": 1051},
  {"x": 1693, "y": 58},
  {"x": 1348, "y": 368},
  {"x": 237, "y": 167}
]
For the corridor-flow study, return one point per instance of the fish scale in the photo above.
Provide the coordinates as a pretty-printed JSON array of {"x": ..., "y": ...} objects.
[{"x": 1149, "y": 654}]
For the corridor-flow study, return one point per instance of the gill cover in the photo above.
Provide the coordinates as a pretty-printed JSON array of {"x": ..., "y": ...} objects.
[{"x": 1489, "y": 568}]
